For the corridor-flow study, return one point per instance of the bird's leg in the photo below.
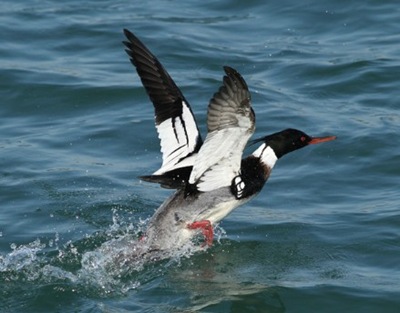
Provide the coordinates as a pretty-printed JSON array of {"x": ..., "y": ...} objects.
[{"x": 206, "y": 229}]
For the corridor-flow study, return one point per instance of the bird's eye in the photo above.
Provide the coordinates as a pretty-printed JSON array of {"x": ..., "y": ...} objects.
[{"x": 302, "y": 138}]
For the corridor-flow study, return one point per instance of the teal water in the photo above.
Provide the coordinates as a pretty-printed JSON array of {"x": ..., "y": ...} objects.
[{"x": 77, "y": 129}]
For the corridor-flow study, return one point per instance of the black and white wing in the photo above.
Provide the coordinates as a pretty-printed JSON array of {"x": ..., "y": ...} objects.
[
  {"x": 231, "y": 122},
  {"x": 176, "y": 126}
]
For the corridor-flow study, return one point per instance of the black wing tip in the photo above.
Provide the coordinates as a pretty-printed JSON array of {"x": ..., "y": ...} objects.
[
  {"x": 235, "y": 76},
  {"x": 132, "y": 42},
  {"x": 229, "y": 70},
  {"x": 131, "y": 39},
  {"x": 173, "y": 179},
  {"x": 129, "y": 35},
  {"x": 129, "y": 43},
  {"x": 164, "y": 182}
]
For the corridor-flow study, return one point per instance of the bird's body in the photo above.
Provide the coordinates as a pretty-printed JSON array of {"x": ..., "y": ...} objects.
[
  {"x": 168, "y": 227},
  {"x": 210, "y": 177}
]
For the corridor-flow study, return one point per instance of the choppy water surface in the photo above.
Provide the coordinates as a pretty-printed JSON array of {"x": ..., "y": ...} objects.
[{"x": 77, "y": 129}]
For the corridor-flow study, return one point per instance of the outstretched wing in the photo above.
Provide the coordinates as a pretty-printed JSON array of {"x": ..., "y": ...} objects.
[
  {"x": 231, "y": 122},
  {"x": 174, "y": 119}
]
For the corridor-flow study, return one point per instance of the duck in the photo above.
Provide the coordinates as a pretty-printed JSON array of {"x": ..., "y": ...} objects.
[{"x": 210, "y": 177}]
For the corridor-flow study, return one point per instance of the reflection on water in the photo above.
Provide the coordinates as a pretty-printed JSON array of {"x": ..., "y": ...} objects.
[{"x": 211, "y": 284}]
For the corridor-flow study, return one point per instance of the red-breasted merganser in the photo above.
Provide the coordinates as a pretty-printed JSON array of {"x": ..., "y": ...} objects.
[{"x": 211, "y": 178}]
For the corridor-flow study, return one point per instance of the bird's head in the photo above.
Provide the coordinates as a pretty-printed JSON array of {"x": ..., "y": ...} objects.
[{"x": 278, "y": 144}]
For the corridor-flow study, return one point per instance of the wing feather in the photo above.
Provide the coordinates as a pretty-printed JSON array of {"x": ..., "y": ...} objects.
[
  {"x": 175, "y": 123},
  {"x": 231, "y": 122}
]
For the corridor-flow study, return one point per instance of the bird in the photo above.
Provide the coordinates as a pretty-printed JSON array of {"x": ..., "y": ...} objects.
[{"x": 210, "y": 177}]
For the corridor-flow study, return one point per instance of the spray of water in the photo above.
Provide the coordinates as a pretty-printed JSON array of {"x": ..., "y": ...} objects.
[{"x": 118, "y": 264}]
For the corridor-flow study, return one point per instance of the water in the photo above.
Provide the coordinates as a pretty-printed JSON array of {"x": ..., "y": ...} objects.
[{"x": 77, "y": 129}]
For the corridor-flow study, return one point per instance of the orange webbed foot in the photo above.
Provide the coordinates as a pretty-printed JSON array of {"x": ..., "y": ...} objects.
[{"x": 206, "y": 229}]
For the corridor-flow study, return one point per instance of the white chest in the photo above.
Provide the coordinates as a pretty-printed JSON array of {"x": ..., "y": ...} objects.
[{"x": 220, "y": 211}]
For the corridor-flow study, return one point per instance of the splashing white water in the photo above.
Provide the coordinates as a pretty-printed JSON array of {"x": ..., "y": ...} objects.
[
  {"x": 21, "y": 256},
  {"x": 117, "y": 265}
]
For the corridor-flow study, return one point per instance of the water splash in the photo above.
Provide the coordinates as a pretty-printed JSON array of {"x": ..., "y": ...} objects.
[
  {"x": 103, "y": 263},
  {"x": 21, "y": 256}
]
